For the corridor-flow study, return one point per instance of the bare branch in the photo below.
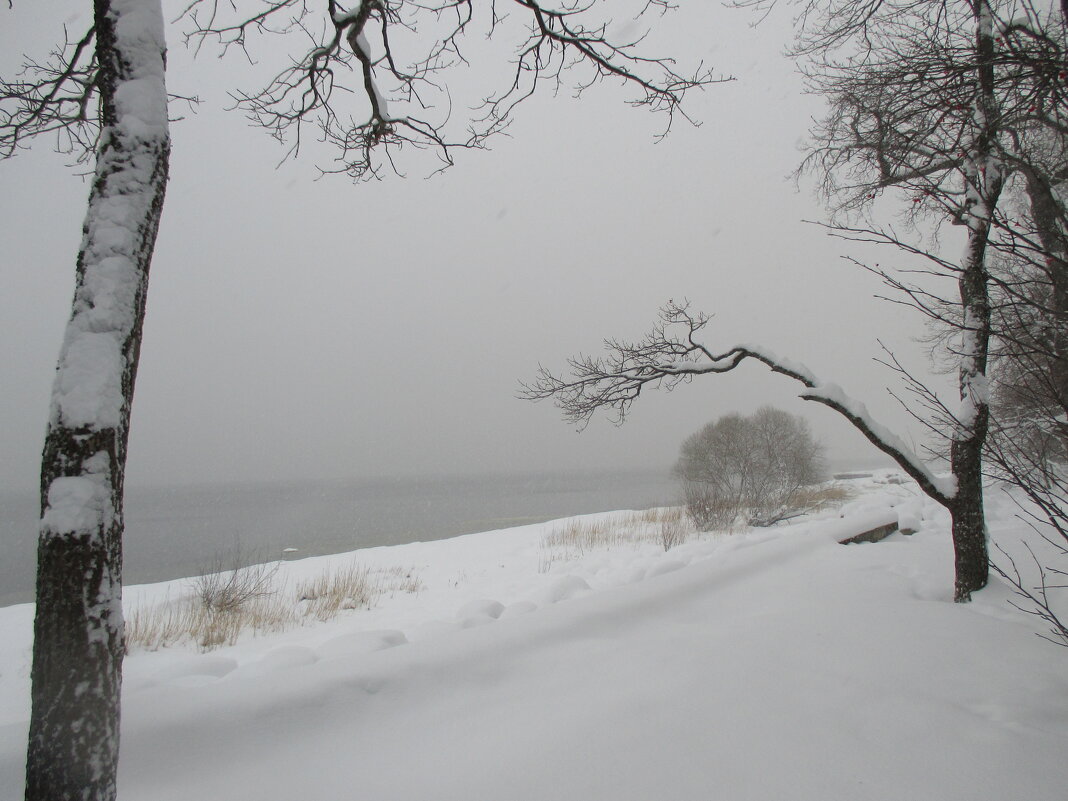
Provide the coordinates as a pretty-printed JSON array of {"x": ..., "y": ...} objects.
[
  {"x": 1035, "y": 600},
  {"x": 370, "y": 81},
  {"x": 55, "y": 96},
  {"x": 671, "y": 354}
]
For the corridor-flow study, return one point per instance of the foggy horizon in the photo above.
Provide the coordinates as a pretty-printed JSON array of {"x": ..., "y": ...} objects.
[{"x": 312, "y": 328}]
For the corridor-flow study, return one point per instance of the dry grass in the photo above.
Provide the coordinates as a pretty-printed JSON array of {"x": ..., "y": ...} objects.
[
  {"x": 352, "y": 587},
  {"x": 220, "y": 607},
  {"x": 187, "y": 619},
  {"x": 572, "y": 539},
  {"x": 666, "y": 527},
  {"x": 815, "y": 498},
  {"x": 400, "y": 579}
]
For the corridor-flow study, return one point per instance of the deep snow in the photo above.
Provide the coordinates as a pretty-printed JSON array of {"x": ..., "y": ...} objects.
[{"x": 767, "y": 665}]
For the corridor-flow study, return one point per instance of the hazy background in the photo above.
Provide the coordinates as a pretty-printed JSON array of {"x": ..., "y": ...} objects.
[{"x": 303, "y": 328}]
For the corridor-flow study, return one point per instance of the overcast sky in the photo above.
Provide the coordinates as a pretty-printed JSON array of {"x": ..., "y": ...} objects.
[{"x": 315, "y": 328}]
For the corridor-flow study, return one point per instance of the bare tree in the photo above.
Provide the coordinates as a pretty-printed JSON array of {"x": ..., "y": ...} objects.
[
  {"x": 101, "y": 95},
  {"x": 938, "y": 100},
  {"x": 673, "y": 353},
  {"x": 1028, "y": 446},
  {"x": 964, "y": 106},
  {"x": 1035, "y": 590},
  {"x": 756, "y": 464}
]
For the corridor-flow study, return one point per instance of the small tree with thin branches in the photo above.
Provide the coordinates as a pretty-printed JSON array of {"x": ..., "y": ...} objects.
[{"x": 757, "y": 463}]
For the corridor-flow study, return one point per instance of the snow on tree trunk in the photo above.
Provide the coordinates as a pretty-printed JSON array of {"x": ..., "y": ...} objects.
[
  {"x": 984, "y": 179},
  {"x": 78, "y": 630}
]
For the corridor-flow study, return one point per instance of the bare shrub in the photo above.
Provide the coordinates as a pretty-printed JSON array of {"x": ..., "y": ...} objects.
[
  {"x": 708, "y": 508},
  {"x": 757, "y": 464},
  {"x": 222, "y": 589},
  {"x": 673, "y": 531}
]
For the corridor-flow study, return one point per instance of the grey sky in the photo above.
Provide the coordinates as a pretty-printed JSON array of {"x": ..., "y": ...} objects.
[{"x": 303, "y": 328}]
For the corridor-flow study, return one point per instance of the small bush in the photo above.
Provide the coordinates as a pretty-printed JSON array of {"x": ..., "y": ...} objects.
[
  {"x": 672, "y": 533},
  {"x": 229, "y": 590}
]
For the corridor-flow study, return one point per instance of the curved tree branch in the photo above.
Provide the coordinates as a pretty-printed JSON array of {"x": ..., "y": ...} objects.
[{"x": 671, "y": 354}]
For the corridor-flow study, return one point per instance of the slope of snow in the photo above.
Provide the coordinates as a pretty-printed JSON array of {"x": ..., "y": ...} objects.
[{"x": 765, "y": 665}]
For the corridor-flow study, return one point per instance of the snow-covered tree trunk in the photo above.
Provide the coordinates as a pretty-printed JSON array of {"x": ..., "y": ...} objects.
[
  {"x": 78, "y": 630},
  {"x": 984, "y": 179}
]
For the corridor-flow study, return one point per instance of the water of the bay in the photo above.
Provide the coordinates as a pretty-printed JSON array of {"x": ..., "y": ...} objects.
[{"x": 181, "y": 531}]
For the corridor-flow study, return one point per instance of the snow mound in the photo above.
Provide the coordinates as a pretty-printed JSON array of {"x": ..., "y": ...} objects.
[
  {"x": 361, "y": 642},
  {"x": 563, "y": 589},
  {"x": 282, "y": 658}
]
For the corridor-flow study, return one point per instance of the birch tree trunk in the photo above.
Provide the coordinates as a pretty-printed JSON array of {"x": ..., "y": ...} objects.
[{"x": 78, "y": 629}]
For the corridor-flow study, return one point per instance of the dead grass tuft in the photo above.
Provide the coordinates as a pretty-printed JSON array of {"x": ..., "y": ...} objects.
[
  {"x": 189, "y": 620},
  {"x": 822, "y": 496},
  {"x": 220, "y": 607},
  {"x": 665, "y": 527}
]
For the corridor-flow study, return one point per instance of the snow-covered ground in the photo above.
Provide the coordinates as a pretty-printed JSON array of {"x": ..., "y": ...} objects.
[{"x": 771, "y": 665}]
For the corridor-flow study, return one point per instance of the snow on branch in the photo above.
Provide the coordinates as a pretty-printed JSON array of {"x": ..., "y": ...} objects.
[{"x": 671, "y": 353}]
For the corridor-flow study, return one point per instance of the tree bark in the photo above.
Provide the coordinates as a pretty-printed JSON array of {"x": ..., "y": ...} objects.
[
  {"x": 983, "y": 175},
  {"x": 78, "y": 629}
]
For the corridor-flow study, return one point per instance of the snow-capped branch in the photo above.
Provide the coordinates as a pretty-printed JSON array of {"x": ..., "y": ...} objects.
[{"x": 671, "y": 354}]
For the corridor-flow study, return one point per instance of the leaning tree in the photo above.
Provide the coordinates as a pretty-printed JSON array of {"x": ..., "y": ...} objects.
[
  {"x": 370, "y": 78},
  {"x": 925, "y": 100},
  {"x": 963, "y": 107}
]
